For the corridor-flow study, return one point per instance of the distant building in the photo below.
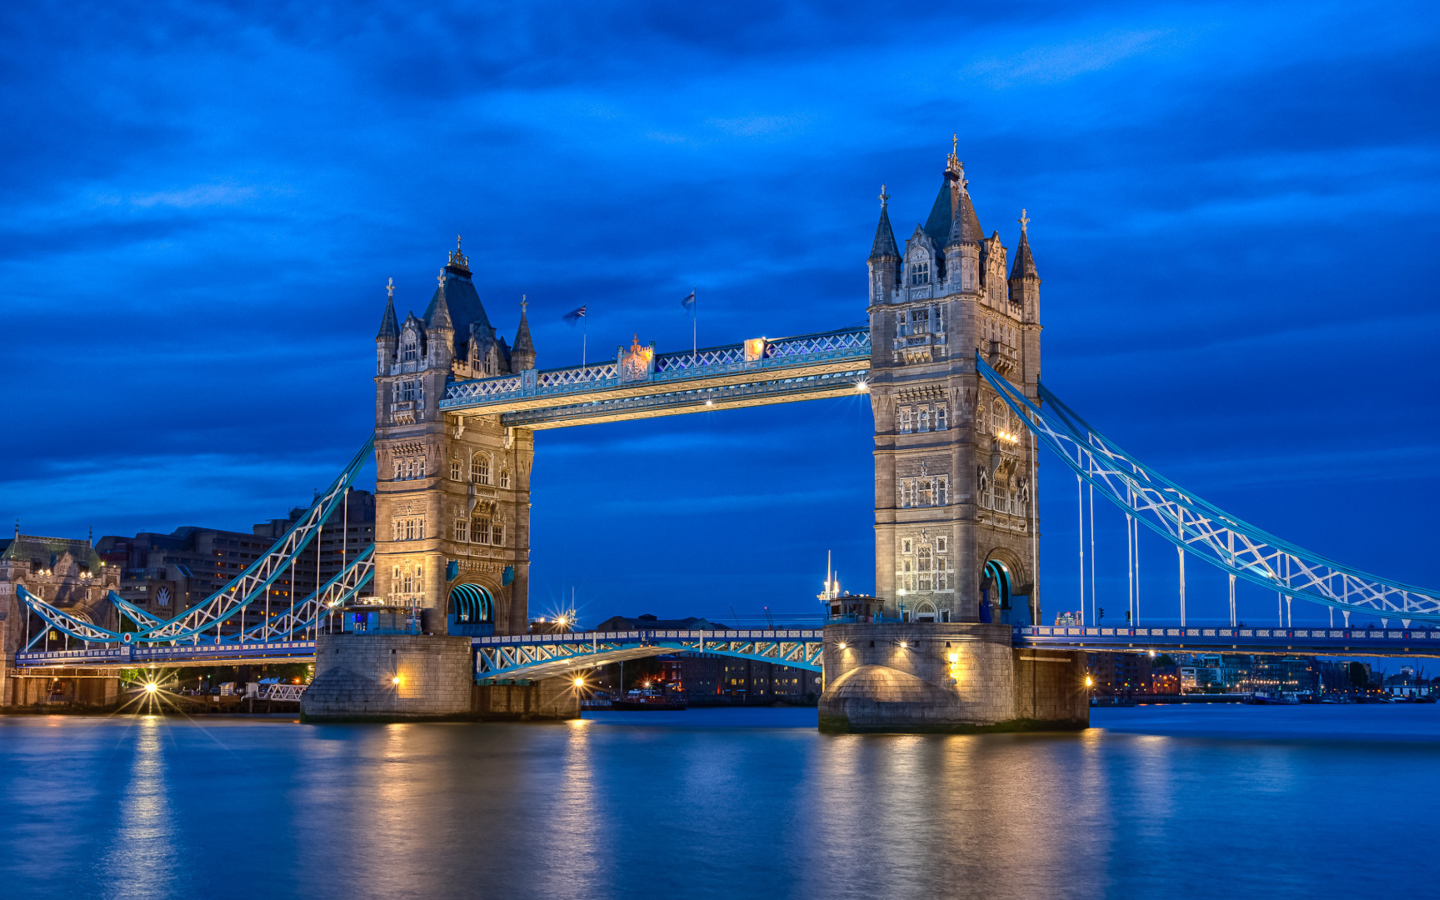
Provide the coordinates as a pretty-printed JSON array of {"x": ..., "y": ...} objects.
[
  {"x": 710, "y": 678},
  {"x": 165, "y": 574},
  {"x": 66, "y": 573}
]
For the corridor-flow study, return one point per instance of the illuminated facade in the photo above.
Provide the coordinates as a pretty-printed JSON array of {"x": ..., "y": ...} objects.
[
  {"x": 955, "y": 522},
  {"x": 452, "y": 517}
]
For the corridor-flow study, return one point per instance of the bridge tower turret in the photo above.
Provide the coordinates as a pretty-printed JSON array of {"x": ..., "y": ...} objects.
[
  {"x": 452, "y": 525},
  {"x": 955, "y": 515}
]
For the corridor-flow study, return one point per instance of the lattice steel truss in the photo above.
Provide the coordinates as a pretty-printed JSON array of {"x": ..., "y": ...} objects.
[
  {"x": 248, "y": 587},
  {"x": 547, "y": 656},
  {"x": 1203, "y": 529}
]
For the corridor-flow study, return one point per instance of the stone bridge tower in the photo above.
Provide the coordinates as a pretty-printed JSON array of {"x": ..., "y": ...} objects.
[
  {"x": 956, "y": 538},
  {"x": 452, "y": 517},
  {"x": 955, "y": 520}
]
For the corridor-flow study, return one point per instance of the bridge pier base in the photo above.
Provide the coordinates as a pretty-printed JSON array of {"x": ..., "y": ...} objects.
[
  {"x": 956, "y": 677},
  {"x": 389, "y": 677},
  {"x": 415, "y": 677}
]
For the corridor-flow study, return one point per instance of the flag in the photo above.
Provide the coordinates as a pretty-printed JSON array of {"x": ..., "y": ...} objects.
[
  {"x": 689, "y": 302},
  {"x": 575, "y": 315}
]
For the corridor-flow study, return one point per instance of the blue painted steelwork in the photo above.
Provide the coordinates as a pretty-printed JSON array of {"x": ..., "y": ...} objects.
[
  {"x": 471, "y": 612},
  {"x": 1203, "y": 529},
  {"x": 248, "y": 587},
  {"x": 1213, "y": 639},
  {"x": 132, "y": 655},
  {"x": 535, "y": 656},
  {"x": 777, "y": 355}
]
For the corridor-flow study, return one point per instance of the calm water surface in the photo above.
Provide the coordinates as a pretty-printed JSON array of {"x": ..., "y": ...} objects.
[{"x": 1159, "y": 801}]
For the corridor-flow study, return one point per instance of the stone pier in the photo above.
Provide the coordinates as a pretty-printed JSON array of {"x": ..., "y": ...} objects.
[
  {"x": 961, "y": 677},
  {"x": 418, "y": 677}
]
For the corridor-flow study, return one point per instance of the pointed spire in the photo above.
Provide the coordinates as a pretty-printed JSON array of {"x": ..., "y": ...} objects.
[
  {"x": 389, "y": 326},
  {"x": 440, "y": 315},
  {"x": 522, "y": 354},
  {"x": 1024, "y": 261},
  {"x": 884, "y": 246}
]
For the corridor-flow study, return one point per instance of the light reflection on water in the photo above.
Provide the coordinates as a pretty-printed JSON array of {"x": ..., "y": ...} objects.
[{"x": 724, "y": 803}]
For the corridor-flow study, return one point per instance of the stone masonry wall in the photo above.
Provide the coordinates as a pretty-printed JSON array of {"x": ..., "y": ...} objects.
[
  {"x": 1050, "y": 687},
  {"x": 355, "y": 677},
  {"x": 551, "y": 698},
  {"x": 943, "y": 677}
]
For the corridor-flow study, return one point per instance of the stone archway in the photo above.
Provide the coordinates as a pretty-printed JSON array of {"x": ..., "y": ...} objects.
[
  {"x": 470, "y": 610},
  {"x": 1004, "y": 589}
]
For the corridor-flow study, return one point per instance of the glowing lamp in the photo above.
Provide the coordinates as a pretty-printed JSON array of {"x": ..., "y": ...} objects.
[
  {"x": 151, "y": 687},
  {"x": 395, "y": 680},
  {"x": 579, "y": 682}
]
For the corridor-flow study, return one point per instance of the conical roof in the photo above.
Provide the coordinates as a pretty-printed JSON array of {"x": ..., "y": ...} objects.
[
  {"x": 523, "y": 353},
  {"x": 1024, "y": 262},
  {"x": 389, "y": 325},
  {"x": 884, "y": 246},
  {"x": 437, "y": 314},
  {"x": 462, "y": 303},
  {"x": 952, "y": 217}
]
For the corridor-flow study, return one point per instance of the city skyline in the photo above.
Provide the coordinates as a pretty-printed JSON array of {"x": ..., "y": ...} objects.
[{"x": 1213, "y": 280}]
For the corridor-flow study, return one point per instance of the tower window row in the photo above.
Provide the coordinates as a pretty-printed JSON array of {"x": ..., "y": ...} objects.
[
  {"x": 409, "y": 390},
  {"x": 408, "y": 468},
  {"x": 911, "y": 419},
  {"x": 407, "y": 528},
  {"x": 930, "y": 490},
  {"x": 479, "y": 470},
  {"x": 407, "y": 583},
  {"x": 480, "y": 530},
  {"x": 920, "y": 320}
]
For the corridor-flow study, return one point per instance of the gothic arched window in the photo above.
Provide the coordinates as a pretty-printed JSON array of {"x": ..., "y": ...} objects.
[
  {"x": 504, "y": 477},
  {"x": 480, "y": 468},
  {"x": 924, "y": 419}
]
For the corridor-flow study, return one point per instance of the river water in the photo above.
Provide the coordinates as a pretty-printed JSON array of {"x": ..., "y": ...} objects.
[{"x": 1227, "y": 801}]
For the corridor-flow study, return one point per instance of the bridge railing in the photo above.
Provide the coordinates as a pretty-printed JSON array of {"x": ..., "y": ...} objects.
[
  {"x": 1426, "y": 639},
  {"x": 587, "y": 637},
  {"x": 780, "y": 353}
]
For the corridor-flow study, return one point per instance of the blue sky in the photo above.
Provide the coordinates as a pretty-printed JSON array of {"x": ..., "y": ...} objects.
[{"x": 1233, "y": 210}]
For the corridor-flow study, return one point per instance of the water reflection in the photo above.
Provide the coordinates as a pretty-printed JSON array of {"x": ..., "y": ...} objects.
[
  {"x": 706, "y": 803},
  {"x": 141, "y": 859}
]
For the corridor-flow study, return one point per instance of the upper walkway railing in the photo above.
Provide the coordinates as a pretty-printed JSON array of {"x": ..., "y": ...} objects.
[
  {"x": 1237, "y": 639},
  {"x": 756, "y": 356}
]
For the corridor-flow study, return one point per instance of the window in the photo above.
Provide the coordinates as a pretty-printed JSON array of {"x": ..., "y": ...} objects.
[
  {"x": 505, "y": 478},
  {"x": 940, "y": 548},
  {"x": 499, "y": 536},
  {"x": 480, "y": 468},
  {"x": 480, "y": 531},
  {"x": 923, "y": 419},
  {"x": 905, "y": 420},
  {"x": 940, "y": 424},
  {"x": 940, "y": 580},
  {"x": 924, "y": 581},
  {"x": 905, "y": 545},
  {"x": 923, "y": 559},
  {"x": 919, "y": 272},
  {"x": 942, "y": 485},
  {"x": 926, "y": 498},
  {"x": 408, "y": 584},
  {"x": 462, "y": 530},
  {"x": 455, "y": 469},
  {"x": 411, "y": 351}
]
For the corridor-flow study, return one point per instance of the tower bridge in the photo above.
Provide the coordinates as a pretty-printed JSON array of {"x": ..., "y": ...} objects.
[{"x": 950, "y": 360}]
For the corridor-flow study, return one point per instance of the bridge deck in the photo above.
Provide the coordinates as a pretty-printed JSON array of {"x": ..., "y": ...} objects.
[
  {"x": 1213, "y": 639},
  {"x": 546, "y": 655},
  {"x": 643, "y": 384}
]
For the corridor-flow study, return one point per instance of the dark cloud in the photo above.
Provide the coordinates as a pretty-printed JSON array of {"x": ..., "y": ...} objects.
[{"x": 1232, "y": 204}]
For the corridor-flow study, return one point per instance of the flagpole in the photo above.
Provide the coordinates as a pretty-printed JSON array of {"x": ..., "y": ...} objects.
[
  {"x": 584, "y": 340},
  {"x": 694, "y": 326}
]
